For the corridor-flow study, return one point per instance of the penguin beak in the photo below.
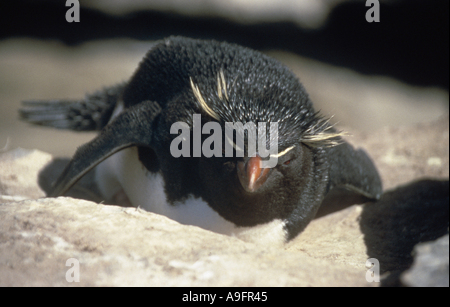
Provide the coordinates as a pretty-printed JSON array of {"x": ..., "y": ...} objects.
[{"x": 250, "y": 173}]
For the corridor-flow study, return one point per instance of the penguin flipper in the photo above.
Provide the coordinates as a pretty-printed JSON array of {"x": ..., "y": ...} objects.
[
  {"x": 132, "y": 127},
  {"x": 88, "y": 114},
  {"x": 354, "y": 170}
]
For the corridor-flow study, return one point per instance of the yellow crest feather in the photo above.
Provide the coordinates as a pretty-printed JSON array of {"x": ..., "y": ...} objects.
[{"x": 201, "y": 101}]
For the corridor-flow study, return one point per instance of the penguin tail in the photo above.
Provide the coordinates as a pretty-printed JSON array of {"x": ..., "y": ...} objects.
[{"x": 89, "y": 114}]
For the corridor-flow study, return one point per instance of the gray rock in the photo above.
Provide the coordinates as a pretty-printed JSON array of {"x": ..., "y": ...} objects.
[
  {"x": 431, "y": 265},
  {"x": 19, "y": 170},
  {"x": 118, "y": 246}
]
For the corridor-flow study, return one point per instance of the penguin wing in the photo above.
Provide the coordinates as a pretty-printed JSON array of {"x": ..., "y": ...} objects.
[
  {"x": 91, "y": 113},
  {"x": 354, "y": 170},
  {"x": 133, "y": 127}
]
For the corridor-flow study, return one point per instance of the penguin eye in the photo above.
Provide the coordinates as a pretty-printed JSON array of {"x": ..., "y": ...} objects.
[{"x": 286, "y": 160}]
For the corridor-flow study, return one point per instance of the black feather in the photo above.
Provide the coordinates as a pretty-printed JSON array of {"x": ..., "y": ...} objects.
[
  {"x": 91, "y": 113},
  {"x": 259, "y": 87}
]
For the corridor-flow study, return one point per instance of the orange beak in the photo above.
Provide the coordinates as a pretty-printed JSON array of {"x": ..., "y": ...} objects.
[{"x": 251, "y": 175}]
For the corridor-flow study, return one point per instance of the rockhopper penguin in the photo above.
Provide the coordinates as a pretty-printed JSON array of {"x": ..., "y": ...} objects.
[{"x": 178, "y": 78}]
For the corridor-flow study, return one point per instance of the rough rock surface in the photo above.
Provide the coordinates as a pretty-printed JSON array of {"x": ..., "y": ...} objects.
[
  {"x": 128, "y": 246},
  {"x": 125, "y": 246},
  {"x": 430, "y": 267}
]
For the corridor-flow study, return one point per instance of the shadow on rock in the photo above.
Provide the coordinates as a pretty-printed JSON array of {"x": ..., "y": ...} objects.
[
  {"x": 404, "y": 217},
  {"x": 83, "y": 189},
  {"x": 338, "y": 199}
]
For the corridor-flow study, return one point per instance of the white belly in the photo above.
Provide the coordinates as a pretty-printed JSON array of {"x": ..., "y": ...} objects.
[{"x": 146, "y": 190}]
